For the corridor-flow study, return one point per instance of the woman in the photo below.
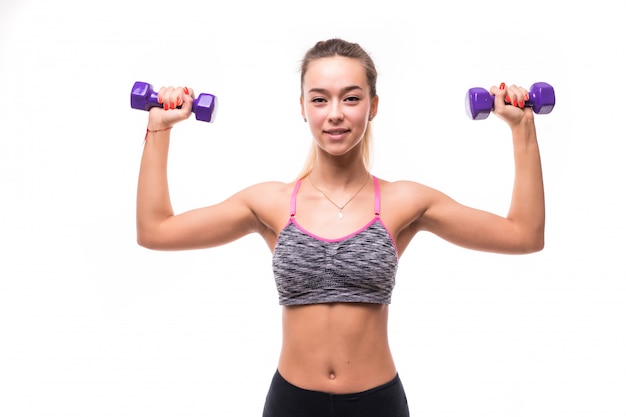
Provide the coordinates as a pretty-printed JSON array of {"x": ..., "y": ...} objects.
[{"x": 337, "y": 233}]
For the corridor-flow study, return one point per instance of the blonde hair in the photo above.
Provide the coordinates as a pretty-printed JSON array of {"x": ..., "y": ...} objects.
[{"x": 339, "y": 47}]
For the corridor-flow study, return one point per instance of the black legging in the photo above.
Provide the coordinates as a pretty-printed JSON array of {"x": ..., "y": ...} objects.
[{"x": 287, "y": 400}]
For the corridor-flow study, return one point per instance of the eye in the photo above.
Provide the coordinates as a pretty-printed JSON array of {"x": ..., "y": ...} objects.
[
  {"x": 318, "y": 100},
  {"x": 353, "y": 99}
]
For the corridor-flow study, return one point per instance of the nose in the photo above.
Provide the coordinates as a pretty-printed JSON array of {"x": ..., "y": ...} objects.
[{"x": 335, "y": 113}]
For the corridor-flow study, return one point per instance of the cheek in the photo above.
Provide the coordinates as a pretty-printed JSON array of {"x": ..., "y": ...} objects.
[
  {"x": 315, "y": 115},
  {"x": 358, "y": 116}
]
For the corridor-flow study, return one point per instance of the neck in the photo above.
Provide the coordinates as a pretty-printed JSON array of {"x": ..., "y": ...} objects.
[
  {"x": 341, "y": 180},
  {"x": 338, "y": 173}
]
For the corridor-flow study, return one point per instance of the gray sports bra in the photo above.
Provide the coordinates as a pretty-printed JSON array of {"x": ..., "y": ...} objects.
[{"x": 358, "y": 268}]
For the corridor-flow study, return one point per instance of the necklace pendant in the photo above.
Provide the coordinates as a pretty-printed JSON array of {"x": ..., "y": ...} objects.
[{"x": 340, "y": 215}]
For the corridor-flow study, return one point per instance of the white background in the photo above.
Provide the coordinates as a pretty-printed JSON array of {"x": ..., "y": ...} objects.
[{"x": 91, "y": 324}]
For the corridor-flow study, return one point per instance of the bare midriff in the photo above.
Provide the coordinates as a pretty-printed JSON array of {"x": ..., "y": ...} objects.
[{"x": 336, "y": 348}]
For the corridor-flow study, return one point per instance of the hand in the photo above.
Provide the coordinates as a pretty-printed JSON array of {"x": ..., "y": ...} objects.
[
  {"x": 177, "y": 104},
  {"x": 509, "y": 103}
]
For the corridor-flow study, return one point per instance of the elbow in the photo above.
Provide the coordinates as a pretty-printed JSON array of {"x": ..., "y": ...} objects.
[
  {"x": 539, "y": 240},
  {"x": 536, "y": 246},
  {"x": 147, "y": 240},
  {"x": 144, "y": 242},
  {"x": 533, "y": 243}
]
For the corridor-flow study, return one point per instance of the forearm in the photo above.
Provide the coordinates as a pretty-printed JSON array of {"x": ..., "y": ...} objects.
[
  {"x": 153, "y": 198},
  {"x": 527, "y": 204}
]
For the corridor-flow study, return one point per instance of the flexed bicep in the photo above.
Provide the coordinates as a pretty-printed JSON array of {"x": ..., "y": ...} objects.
[{"x": 200, "y": 228}]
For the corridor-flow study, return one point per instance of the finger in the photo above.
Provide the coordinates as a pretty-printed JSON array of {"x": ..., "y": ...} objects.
[
  {"x": 499, "y": 94},
  {"x": 513, "y": 92},
  {"x": 176, "y": 98},
  {"x": 165, "y": 97},
  {"x": 518, "y": 95},
  {"x": 524, "y": 97},
  {"x": 189, "y": 91},
  {"x": 188, "y": 97}
]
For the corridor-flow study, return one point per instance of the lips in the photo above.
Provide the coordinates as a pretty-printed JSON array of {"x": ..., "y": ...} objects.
[{"x": 336, "y": 132}]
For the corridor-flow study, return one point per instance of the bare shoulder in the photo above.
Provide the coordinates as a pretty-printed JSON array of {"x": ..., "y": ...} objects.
[
  {"x": 270, "y": 202},
  {"x": 403, "y": 203},
  {"x": 409, "y": 194},
  {"x": 265, "y": 192}
]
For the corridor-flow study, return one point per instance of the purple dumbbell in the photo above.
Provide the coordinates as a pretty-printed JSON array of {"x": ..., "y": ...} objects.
[
  {"x": 143, "y": 97},
  {"x": 479, "y": 103}
]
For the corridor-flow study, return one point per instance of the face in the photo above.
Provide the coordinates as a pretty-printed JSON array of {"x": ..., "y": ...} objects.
[{"x": 336, "y": 103}]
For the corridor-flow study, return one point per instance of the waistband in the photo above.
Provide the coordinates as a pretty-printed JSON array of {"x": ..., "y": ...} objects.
[{"x": 279, "y": 380}]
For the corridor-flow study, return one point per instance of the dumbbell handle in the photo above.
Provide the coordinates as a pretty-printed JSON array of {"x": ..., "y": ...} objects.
[
  {"x": 143, "y": 97},
  {"x": 479, "y": 103}
]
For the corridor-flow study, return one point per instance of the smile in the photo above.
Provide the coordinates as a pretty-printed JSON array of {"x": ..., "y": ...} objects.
[{"x": 334, "y": 132}]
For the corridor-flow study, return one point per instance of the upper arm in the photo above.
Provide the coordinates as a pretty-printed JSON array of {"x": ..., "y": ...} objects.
[
  {"x": 205, "y": 227},
  {"x": 475, "y": 229}
]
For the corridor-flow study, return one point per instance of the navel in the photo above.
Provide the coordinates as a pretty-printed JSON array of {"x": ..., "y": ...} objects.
[{"x": 331, "y": 375}]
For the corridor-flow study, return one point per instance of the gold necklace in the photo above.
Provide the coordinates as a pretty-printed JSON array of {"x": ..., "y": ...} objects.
[{"x": 340, "y": 215}]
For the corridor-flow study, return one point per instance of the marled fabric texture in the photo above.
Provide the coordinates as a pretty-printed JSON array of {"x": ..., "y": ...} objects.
[{"x": 359, "y": 268}]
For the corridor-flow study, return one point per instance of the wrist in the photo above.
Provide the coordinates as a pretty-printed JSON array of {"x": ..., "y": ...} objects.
[
  {"x": 156, "y": 131},
  {"x": 156, "y": 125},
  {"x": 524, "y": 134},
  {"x": 524, "y": 126},
  {"x": 157, "y": 120}
]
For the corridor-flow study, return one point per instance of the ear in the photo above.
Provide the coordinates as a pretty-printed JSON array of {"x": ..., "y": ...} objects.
[
  {"x": 302, "y": 108},
  {"x": 373, "y": 108}
]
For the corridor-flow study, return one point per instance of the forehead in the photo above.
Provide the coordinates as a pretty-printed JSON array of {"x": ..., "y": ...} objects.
[{"x": 335, "y": 72}]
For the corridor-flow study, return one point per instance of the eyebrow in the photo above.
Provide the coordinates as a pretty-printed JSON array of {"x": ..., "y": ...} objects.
[{"x": 343, "y": 90}]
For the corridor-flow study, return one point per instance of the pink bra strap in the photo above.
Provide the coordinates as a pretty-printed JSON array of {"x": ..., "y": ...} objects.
[
  {"x": 377, "y": 197},
  {"x": 293, "y": 197}
]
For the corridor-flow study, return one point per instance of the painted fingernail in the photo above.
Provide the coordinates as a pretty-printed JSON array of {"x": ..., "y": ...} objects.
[
  {"x": 160, "y": 100},
  {"x": 521, "y": 104},
  {"x": 515, "y": 102},
  {"x": 502, "y": 86},
  {"x": 507, "y": 99},
  {"x": 179, "y": 101},
  {"x": 166, "y": 106},
  {"x": 526, "y": 97},
  {"x": 186, "y": 90}
]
